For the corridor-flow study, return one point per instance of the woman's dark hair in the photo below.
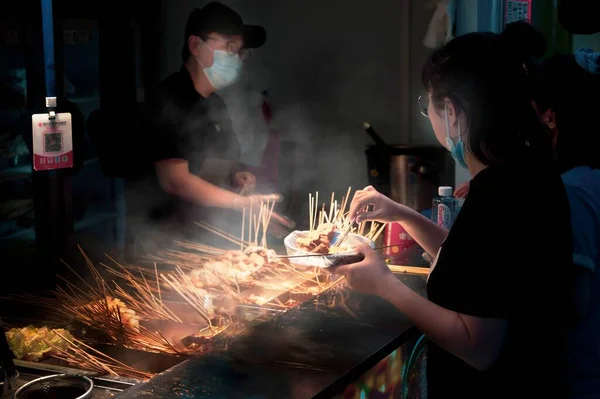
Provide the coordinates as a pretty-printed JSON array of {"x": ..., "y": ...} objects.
[
  {"x": 526, "y": 42},
  {"x": 571, "y": 92},
  {"x": 485, "y": 78}
]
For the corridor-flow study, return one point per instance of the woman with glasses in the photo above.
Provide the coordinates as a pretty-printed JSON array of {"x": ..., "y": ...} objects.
[{"x": 497, "y": 308}]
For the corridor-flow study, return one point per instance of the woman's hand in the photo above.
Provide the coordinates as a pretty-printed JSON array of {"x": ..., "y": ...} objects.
[
  {"x": 371, "y": 276},
  {"x": 384, "y": 209},
  {"x": 462, "y": 191}
]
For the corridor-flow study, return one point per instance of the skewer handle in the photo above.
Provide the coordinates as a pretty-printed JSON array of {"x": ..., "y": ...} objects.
[{"x": 347, "y": 260}]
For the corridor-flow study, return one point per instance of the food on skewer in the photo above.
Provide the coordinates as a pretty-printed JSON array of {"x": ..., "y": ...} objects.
[
  {"x": 319, "y": 241},
  {"x": 324, "y": 223},
  {"x": 34, "y": 344},
  {"x": 234, "y": 267},
  {"x": 119, "y": 310}
]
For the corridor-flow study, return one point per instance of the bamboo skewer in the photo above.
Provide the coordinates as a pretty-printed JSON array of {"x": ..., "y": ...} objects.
[
  {"x": 220, "y": 233},
  {"x": 331, "y": 208},
  {"x": 270, "y": 215},
  {"x": 378, "y": 233},
  {"x": 310, "y": 212},
  {"x": 243, "y": 226},
  {"x": 409, "y": 269},
  {"x": 97, "y": 361},
  {"x": 316, "y": 209},
  {"x": 180, "y": 282},
  {"x": 157, "y": 282}
]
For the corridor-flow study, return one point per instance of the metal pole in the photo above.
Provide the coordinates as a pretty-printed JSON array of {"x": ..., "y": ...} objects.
[
  {"x": 52, "y": 230},
  {"x": 48, "y": 34}
]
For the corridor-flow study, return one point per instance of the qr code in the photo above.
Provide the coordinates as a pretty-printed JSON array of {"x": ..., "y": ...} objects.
[
  {"x": 53, "y": 142},
  {"x": 517, "y": 11}
]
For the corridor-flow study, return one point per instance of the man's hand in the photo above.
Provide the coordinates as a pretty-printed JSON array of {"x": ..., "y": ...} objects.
[
  {"x": 245, "y": 181},
  {"x": 175, "y": 178}
]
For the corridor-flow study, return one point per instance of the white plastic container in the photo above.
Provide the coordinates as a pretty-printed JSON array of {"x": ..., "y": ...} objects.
[{"x": 323, "y": 261}]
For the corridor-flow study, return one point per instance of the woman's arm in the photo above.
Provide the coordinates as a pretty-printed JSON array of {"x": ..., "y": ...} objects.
[
  {"x": 475, "y": 340},
  {"x": 427, "y": 234}
]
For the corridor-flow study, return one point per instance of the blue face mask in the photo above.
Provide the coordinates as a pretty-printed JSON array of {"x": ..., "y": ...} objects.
[
  {"x": 225, "y": 69},
  {"x": 456, "y": 150}
]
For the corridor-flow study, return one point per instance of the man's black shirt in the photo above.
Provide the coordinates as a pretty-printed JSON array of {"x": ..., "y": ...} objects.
[
  {"x": 183, "y": 124},
  {"x": 178, "y": 123}
]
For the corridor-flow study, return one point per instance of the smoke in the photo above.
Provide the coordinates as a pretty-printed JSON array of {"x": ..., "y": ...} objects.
[{"x": 323, "y": 83}]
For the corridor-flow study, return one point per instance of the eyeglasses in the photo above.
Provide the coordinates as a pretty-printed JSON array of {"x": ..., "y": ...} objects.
[
  {"x": 423, "y": 102},
  {"x": 233, "y": 48}
]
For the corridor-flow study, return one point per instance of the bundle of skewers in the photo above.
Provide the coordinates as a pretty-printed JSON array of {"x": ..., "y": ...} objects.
[
  {"x": 79, "y": 354},
  {"x": 199, "y": 292},
  {"x": 248, "y": 273},
  {"x": 126, "y": 312},
  {"x": 109, "y": 309},
  {"x": 332, "y": 238},
  {"x": 130, "y": 309},
  {"x": 323, "y": 222}
]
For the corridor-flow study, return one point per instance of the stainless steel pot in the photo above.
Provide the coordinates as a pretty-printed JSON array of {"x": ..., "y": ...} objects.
[{"x": 410, "y": 175}]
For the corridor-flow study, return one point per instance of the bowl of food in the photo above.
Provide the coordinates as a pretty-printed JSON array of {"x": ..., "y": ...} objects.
[{"x": 319, "y": 248}]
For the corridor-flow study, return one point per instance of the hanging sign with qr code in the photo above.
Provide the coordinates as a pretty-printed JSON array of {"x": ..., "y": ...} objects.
[
  {"x": 52, "y": 141},
  {"x": 517, "y": 10}
]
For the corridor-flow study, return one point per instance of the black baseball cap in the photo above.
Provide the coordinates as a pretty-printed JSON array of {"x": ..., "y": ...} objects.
[{"x": 218, "y": 18}]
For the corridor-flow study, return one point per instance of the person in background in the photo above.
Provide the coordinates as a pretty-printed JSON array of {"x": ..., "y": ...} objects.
[
  {"x": 497, "y": 309},
  {"x": 186, "y": 126},
  {"x": 566, "y": 101}
]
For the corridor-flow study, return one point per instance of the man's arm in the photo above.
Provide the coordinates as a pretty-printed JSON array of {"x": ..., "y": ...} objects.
[
  {"x": 217, "y": 171},
  {"x": 175, "y": 178}
]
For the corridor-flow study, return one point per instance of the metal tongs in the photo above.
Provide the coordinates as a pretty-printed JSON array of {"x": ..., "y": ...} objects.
[
  {"x": 7, "y": 363},
  {"x": 343, "y": 236}
]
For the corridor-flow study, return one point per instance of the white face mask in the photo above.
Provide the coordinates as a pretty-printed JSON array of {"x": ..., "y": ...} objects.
[{"x": 225, "y": 69}]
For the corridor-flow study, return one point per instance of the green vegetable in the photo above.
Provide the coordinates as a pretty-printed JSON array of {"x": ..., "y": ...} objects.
[{"x": 32, "y": 343}]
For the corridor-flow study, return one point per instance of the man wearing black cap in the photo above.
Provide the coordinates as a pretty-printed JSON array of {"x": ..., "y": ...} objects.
[{"x": 186, "y": 123}]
